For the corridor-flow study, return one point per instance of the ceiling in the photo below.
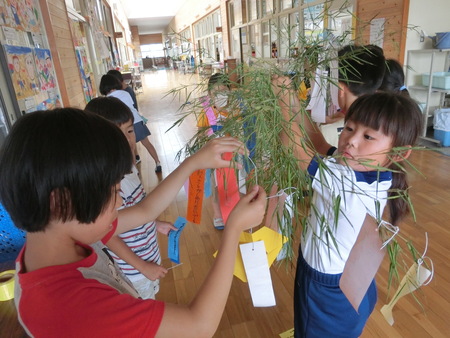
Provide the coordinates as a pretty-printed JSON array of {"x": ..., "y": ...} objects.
[{"x": 151, "y": 16}]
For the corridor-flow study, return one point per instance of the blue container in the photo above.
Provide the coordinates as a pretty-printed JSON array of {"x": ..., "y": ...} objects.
[
  {"x": 442, "y": 40},
  {"x": 443, "y": 136}
]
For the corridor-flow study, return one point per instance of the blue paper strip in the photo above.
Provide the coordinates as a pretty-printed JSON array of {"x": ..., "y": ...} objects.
[
  {"x": 207, "y": 190},
  {"x": 174, "y": 236}
]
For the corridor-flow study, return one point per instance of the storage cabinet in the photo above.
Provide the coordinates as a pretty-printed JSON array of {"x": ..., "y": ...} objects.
[{"x": 427, "y": 82}]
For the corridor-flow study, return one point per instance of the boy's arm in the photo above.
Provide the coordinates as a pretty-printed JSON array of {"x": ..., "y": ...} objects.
[
  {"x": 210, "y": 156},
  {"x": 202, "y": 316},
  {"x": 292, "y": 135},
  {"x": 150, "y": 270},
  {"x": 315, "y": 136}
]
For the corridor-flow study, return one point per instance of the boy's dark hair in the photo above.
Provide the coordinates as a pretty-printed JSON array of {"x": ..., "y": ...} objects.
[
  {"x": 361, "y": 68},
  {"x": 394, "y": 78},
  {"x": 397, "y": 116},
  {"x": 115, "y": 73},
  {"x": 111, "y": 108},
  {"x": 61, "y": 164},
  {"x": 108, "y": 83},
  {"x": 218, "y": 79}
]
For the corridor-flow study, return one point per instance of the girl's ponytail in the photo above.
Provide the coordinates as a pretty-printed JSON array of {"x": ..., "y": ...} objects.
[{"x": 398, "y": 197}]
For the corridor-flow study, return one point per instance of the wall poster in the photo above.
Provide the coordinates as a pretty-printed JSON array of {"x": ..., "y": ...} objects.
[{"x": 25, "y": 57}]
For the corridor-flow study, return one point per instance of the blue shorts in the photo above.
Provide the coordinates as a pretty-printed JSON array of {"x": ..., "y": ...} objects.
[
  {"x": 322, "y": 310},
  {"x": 141, "y": 131}
]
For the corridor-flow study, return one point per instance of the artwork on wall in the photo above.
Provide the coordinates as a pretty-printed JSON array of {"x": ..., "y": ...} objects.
[
  {"x": 85, "y": 73},
  {"x": 44, "y": 67},
  {"x": 20, "y": 14},
  {"x": 22, "y": 71}
]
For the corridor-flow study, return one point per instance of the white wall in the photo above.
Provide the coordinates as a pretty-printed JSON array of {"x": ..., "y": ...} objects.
[{"x": 431, "y": 16}]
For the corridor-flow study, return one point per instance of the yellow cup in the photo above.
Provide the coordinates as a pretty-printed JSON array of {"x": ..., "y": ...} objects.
[{"x": 7, "y": 285}]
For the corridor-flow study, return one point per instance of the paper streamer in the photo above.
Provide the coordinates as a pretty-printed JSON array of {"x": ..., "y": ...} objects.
[
  {"x": 362, "y": 264},
  {"x": 416, "y": 276},
  {"x": 7, "y": 285},
  {"x": 258, "y": 273},
  {"x": 287, "y": 334},
  {"x": 209, "y": 112},
  {"x": 208, "y": 191},
  {"x": 227, "y": 188},
  {"x": 195, "y": 196},
  {"x": 174, "y": 237}
]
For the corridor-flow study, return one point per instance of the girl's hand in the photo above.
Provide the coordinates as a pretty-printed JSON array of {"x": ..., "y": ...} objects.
[
  {"x": 164, "y": 227},
  {"x": 250, "y": 210},
  {"x": 210, "y": 155},
  {"x": 153, "y": 271}
]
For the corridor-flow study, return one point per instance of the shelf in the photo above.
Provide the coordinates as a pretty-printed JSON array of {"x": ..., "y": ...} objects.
[
  {"x": 433, "y": 89},
  {"x": 426, "y": 61}
]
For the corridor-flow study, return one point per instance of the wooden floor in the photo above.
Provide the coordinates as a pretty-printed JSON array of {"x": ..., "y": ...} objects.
[
  {"x": 430, "y": 194},
  {"x": 431, "y": 198}
]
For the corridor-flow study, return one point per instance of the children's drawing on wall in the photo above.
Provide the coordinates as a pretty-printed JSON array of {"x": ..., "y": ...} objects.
[
  {"x": 31, "y": 72},
  {"x": 12, "y": 6},
  {"x": 51, "y": 103},
  {"x": 4, "y": 17},
  {"x": 85, "y": 72},
  {"x": 20, "y": 14},
  {"x": 19, "y": 69},
  {"x": 44, "y": 67}
]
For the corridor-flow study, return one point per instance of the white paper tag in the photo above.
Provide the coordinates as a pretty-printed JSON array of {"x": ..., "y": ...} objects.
[{"x": 257, "y": 270}]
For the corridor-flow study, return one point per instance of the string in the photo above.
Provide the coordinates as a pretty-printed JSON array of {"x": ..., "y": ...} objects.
[
  {"x": 392, "y": 228},
  {"x": 421, "y": 260}
]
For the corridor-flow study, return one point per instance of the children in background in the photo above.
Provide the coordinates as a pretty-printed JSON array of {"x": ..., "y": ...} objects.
[
  {"x": 355, "y": 183},
  {"x": 111, "y": 86},
  {"x": 139, "y": 259},
  {"x": 217, "y": 100},
  {"x": 125, "y": 86},
  {"x": 361, "y": 71},
  {"x": 394, "y": 78},
  {"x": 59, "y": 181}
]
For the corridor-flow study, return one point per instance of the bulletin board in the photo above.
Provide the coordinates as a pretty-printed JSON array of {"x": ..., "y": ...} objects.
[{"x": 26, "y": 60}]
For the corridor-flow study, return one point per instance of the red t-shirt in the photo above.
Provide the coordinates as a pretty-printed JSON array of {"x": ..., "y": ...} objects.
[{"x": 88, "y": 298}]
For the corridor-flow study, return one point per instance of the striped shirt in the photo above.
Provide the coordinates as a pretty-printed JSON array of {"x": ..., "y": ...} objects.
[{"x": 143, "y": 239}]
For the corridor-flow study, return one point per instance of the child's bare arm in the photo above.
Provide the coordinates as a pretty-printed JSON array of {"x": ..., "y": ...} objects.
[
  {"x": 210, "y": 156},
  {"x": 150, "y": 270},
  {"x": 292, "y": 135},
  {"x": 121, "y": 249},
  {"x": 314, "y": 134},
  {"x": 202, "y": 316}
]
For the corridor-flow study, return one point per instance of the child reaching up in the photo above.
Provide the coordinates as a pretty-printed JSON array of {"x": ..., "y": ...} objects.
[
  {"x": 360, "y": 180},
  {"x": 60, "y": 181},
  {"x": 139, "y": 259}
]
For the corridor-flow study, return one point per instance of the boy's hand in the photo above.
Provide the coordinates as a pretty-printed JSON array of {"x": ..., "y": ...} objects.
[
  {"x": 210, "y": 155},
  {"x": 250, "y": 210},
  {"x": 153, "y": 271},
  {"x": 164, "y": 227},
  {"x": 281, "y": 86}
]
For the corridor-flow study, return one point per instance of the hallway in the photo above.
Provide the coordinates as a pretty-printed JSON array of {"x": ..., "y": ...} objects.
[{"x": 430, "y": 196}]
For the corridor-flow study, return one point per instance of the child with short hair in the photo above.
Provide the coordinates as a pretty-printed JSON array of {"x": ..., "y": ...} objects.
[
  {"x": 60, "y": 181},
  {"x": 111, "y": 86},
  {"x": 125, "y": 86},
  {"x": 356, "y": 183},
  {"x": 218, "y": 88},
  {"x": 139, "y": 259},
  {"x": 361, "y": 70}
]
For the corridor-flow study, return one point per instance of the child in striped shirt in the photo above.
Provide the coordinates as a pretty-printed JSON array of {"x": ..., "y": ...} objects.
[{"x": 136, "y": 251}]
